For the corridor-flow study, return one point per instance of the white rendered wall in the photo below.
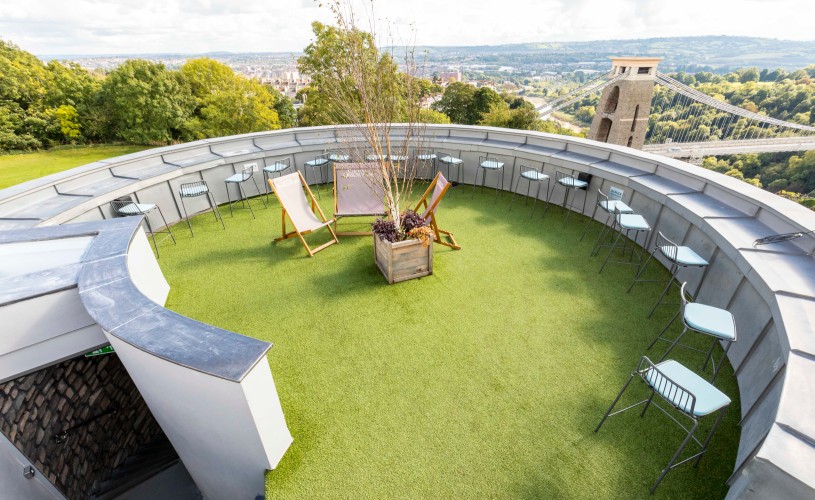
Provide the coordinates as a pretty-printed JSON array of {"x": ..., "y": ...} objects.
[
  {"x": 144, "y": 269},
  {"x": 227, "y": 434}
]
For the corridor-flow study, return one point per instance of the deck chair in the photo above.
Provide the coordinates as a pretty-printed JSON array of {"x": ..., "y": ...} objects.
[
  {"x": 291, "y": 190},
  {"x": 438, "y": 188}
]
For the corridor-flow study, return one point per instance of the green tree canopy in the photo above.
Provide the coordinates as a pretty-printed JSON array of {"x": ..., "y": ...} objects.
[
  {"x": 146, "y": 103},
  {"x": 337, "y": 61},
  {"x": 226, "y": 103}
]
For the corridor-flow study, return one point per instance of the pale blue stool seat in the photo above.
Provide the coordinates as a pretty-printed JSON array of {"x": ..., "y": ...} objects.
[
  {"x": 193, "y": 190},
  {"x": 275, "y": 168},
  {"x": 339, "y": 157},
  {"x": 126, "y": 207},
  {"x": 685, "y": 394},
  {"x": 609, "y": 203},
  {"x": 238, "y": 179},
  {"x": 531, "y": 175},
  {"x": 707, "y": 398},
  {"x": 708, "y": 320},
  {"x": 486, "y": 163},
  {"x": 678, "y": 257},
  {"x": 425, "y": 156},
  {"x": 317, "y": 166},
  {"x": 451, "y": 162},
  {"x": 572, "y": 184},
  {"x": 625, "y": 224}
]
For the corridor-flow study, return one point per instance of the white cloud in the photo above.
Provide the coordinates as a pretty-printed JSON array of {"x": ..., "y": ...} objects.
[{"x": 194, "y": 26}]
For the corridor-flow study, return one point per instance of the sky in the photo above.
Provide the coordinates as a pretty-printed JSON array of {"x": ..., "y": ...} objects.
[{"x": 67, "y": 27}]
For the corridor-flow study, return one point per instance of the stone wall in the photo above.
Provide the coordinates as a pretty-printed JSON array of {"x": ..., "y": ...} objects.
[{"x": 39, "y": 406}]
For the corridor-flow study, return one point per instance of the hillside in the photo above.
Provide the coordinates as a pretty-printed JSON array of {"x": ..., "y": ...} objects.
[{"x": 718, "y": 53}]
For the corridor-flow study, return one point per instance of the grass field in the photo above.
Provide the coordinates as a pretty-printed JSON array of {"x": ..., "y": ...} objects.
[
  {"x": 484, "y": 380},
  {"x": 15, "y": 169}
]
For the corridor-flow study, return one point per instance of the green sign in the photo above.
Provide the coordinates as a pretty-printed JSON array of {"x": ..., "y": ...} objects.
[{"x": 102, "y": 350}]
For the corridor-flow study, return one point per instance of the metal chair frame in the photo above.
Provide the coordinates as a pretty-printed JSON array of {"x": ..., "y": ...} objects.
[
  {"x": 319, "y": 163},
  {"x": 620, "y": 227},
  {"x": 568, "y": 183},
  {"x": 684, "y": 402},
  {"x": 128, "y": 208},
  {"x": 484, "y": 164},
  {"x": 685, "y": 299},
  {"x": 614, "y": 194},
  {"x": 424, "y": 155},
  {"x": 453, "y": 161},
  {"x": 245, "y": 175},
  {"x": 529, "y": 180},
  {"x": 268, "y": 172},
  {"x": 193, "y": 190},
  {"x": 670, "y": 250}
]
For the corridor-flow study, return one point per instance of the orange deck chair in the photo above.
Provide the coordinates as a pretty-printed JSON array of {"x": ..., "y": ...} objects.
[
  {"x": 438, "y": 188},
  {"x": 291, "y": 190}
]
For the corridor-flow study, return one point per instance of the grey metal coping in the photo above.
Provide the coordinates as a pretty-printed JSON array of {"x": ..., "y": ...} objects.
[
  {"x": 118, "y": 307},
  {"x": 729, "y": 212}
]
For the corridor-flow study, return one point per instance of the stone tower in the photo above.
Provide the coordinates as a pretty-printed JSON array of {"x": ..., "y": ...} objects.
[{"x": 622, "y": 113}]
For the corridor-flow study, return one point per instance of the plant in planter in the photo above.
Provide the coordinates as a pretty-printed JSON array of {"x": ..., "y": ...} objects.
[
  {"x": 353, "y": 82},
  {"x": 403, "y": 252}
]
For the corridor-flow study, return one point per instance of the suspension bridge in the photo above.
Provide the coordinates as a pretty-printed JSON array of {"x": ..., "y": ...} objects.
[{"x": 686, "y": 123}]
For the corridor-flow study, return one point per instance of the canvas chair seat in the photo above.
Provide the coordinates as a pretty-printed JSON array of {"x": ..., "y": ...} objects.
[{"x": 291, "y": 190}]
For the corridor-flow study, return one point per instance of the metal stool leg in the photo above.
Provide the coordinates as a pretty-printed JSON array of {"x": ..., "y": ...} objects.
[
  {"x": 246, "y": 198},
  {"x": 187, "y": 216},
  {"x": 674, "y": 270},
  {"x": 260, "y": 195},
  {"x": 514, "y": 192},
  {"x": 152, "y": 234},
  {"x": 169, "y": 232},
  {"x": 215, "y": 211},
  {"x": 586, "y": 228},
  {"x": 229, "y": 198}
]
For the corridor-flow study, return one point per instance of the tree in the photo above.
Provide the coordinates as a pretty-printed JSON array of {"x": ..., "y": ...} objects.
[
  {"x": 347, "y": 72},
  {"x": 226, "y": 103},
  {"x": 749, "y": 75},
  {"x": 353, "y": 82},
  {"x": 147, "y": 104},
  {"x": 433, "y": 116},
  {"x": 457, "y": 103}
]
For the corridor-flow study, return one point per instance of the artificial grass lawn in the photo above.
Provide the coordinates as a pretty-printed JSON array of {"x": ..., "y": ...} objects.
[
  {"x": 15, "y": 169},
  {"x": 485, "y": 379}
]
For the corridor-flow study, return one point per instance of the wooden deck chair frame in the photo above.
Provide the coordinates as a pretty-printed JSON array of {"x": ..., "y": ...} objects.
[
  {"x": 432, "y": 210},
  {"x": 338, "y": 216},
  {"x": 314, "y": 207}
]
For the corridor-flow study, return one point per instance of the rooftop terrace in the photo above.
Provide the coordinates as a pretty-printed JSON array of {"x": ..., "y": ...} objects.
[{"x": 529, "y": 341}]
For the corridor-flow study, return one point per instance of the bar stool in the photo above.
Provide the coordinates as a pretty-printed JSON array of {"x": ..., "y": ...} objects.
[
  {"x": 607, "y": 203},
  {"x": 451, "y": 161},
  {"x": 317, "y": 164},
  {"x": 195, "y": 189},
  {"x": 424, "y": 156},
  {"x": 531, "y": 175},
  {"x": 707, "y": 320},
  {"x": 628, "y": 223},
  {"x": 485, "y": 164},
  {"x": 678, "y": 256},
  {"x": 339, "y": 156},
  {"x": 687, "y": 393},
  {"x": 126, "y": 207},
  {"x": 571, "y": 183},
  {"x": 238, "y": 179},
  {"x": 277, "y": 167}
]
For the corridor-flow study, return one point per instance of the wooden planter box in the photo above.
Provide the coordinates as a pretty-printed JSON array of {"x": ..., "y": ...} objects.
[{"x": 403, "y": 260}]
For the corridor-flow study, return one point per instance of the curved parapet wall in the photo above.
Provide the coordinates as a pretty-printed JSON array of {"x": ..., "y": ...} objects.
[{"x": 770, "y": 290}]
